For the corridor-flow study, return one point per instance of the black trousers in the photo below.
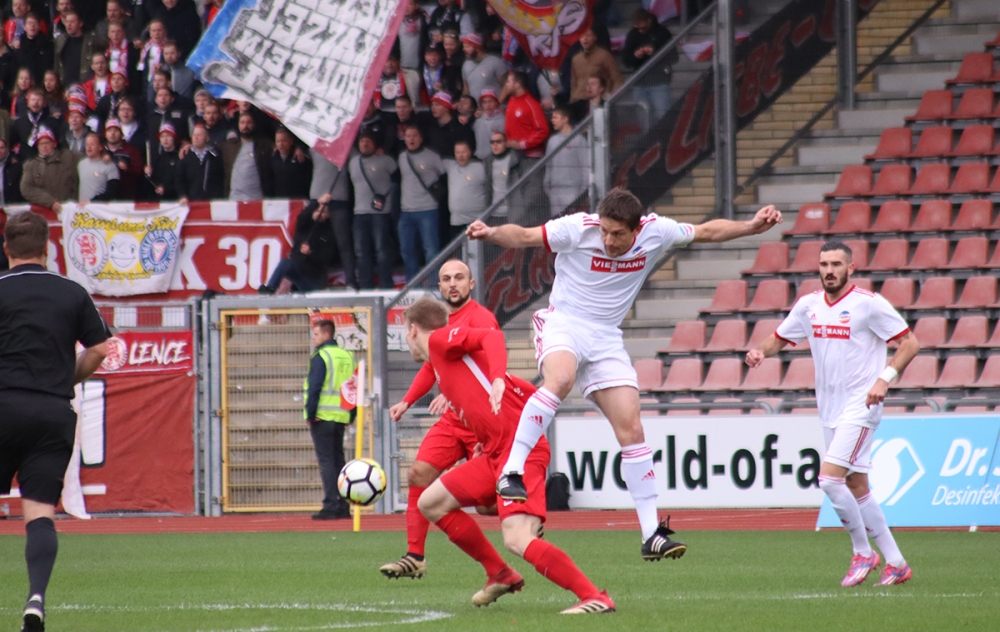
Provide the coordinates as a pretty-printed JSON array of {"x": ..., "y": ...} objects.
[
  {"x": 340, "y": 219},
  {"x": 328, "y": 438}
]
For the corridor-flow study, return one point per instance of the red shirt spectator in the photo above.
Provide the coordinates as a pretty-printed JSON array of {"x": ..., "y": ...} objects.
[{"x": 525, "y": 122}]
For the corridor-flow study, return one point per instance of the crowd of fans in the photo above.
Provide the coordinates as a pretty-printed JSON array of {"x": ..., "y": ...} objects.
[{"x": 98, "y": 105}]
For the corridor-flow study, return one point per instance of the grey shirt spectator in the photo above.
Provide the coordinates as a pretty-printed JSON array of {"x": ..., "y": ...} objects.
[
  {"x": 244, "y": 182},
  {"x": 467, "y": 191},
  {"x": 327, "y": 178},
  {"x": 94, "y": 177},
  {"x": 488, "y": 72},
  {"x": 484, "y": 127},
  {"x": 370, "y": 176},
  {"x": 428, "y": 167},
  {"x": 567, "y": 174}
]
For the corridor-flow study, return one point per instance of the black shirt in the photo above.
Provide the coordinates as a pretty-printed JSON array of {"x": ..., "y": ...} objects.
[
  {"x": 42, "y": 316},
  {"x": 71, "y": 53}
]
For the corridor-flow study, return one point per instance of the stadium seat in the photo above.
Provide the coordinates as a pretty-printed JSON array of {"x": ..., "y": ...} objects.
[
  {"x": 899, "y": 292},
  {"x": 894, "y": 143},
  {"x": 682, "y": 412},
  {"x": 724, "y": 374},
  {"x": 976, "y": 103},
  {"x": 893, "y": 217},
  {"x": 931, "y": 254},
  {"x": 936, "y": 293},
  {"x": 934, "y": 142},
  {"x": 994, "y": 186},
  {"x": 765, "y": 377},
  {"x": 990, "y": 377},
  {"x": 729, "y": 335},
  {"x": 725, "y": 411},
  {"x": 772, "y": 257},
  {"x": 855, "y": 180},
  {"x": 761, "y": 330},
  {"x": 649, "y": 372},
  {"x": 922, "y": 372},
  {"x": 853, "y": 217},
  {"x": 806, "y": 257},
  {"x": 891, "y": 254},
  {"x": 970, "y": 331},
  {"x": 931, "y": 331},
  {"x": 892, "y": 180},
  {"x": 801, "y": 376},
  {"x": 971, "y": 177},
  {"x": 810, "y": 285},
  {"x": 976, "y": 68},
  {"x": 730, "y": 296},
  {"x": 994, "y": 341},
  {"x": 684, "y": 375},
  {"x": 976, "y": 140},
  {"x": 688, "y": 337},
  {"x": 859, "y": 252},
  {"x": 959, "y": 372},
  {"x": 864, "y": 284},
  {"x": 932, "y": 217},
  {"x": 771, "y": 296},
  {"x": 974, "y": 215},
  {"x": 812, "y": 219},
  {"x": 935, "y": 105},
  {"x": 994, "y": 43},
  {"x": 932, "y": 179},
  {"x": 979, "y": 292},
  {"x": 994, "y": 261},
  {"x": 970, "y": 253}
]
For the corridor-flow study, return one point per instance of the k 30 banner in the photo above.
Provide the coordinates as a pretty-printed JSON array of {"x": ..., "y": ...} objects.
[
  {"x": 545, "y": 29},
  {"x": 940, "y": 471},
  {"x": 313, "y": 63},
  {"x": 739, "y": 461}
]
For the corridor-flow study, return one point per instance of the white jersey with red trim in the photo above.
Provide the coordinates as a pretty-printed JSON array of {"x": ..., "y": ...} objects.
[
  {"x": 593, "y": 286},
  {"x": 848, "y": 344}
]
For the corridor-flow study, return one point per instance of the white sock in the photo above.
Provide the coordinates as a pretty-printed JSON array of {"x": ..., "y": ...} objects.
[
  {"x": 637, "y": 470},
  {"x": 879, "y": 531},
  {"x": 847, "y": 509},
  {"x": 535, "y": 420}
]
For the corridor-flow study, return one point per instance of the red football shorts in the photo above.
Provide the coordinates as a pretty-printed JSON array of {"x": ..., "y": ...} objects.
[
  {"x": 446, "y": 443},
  {"x": 475, "y": 483}
]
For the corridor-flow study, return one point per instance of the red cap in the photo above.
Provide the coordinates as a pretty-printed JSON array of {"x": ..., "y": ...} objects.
[
  {"x": 443, "y": 98},
  {"x": 474, "y": 39},
  {"x": 45, "y": 133}
]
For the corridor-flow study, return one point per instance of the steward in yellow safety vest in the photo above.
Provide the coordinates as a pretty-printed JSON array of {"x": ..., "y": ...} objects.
[{"x": 329, "y": 367}]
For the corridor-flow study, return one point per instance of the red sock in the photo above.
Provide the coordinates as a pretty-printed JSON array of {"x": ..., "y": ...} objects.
[
  {"x": 416, "y": 525},
  {"x": 558, "y": 568},
  {"x": 466, "y": 534}
]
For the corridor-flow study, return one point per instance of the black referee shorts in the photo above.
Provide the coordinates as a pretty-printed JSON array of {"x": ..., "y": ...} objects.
[{"x": 36, "y": 442}]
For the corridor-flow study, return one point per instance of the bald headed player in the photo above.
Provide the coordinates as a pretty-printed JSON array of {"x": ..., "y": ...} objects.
[{"x": 449, "y": 440}]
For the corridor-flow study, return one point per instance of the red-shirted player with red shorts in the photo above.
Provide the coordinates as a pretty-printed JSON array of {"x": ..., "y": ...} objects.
[
  {"x": 449, "y": 440},
  {"x": 471, "y": 367}
]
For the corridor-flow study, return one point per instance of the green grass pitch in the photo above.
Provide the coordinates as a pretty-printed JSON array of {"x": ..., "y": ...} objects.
[{"x": 330, "y": 581}]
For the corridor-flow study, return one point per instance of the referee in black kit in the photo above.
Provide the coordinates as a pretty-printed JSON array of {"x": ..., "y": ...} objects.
[{"x": 42, "y": 316}]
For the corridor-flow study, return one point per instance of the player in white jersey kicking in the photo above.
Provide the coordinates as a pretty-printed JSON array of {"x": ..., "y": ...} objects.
[
  {"x": 848, "y": 329},
  {"x": 601, "y": 263}
]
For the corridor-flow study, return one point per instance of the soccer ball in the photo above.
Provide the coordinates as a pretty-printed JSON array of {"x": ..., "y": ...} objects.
[{"x": 362, "y": 481}]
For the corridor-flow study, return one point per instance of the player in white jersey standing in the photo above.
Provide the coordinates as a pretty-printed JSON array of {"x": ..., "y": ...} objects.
[
  {"x": 848, "y": 329},
  {"x": 601, "y": 263}
]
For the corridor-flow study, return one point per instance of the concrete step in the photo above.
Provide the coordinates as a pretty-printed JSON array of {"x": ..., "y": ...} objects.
[
  {"x": 645, "y": 347},
  {"x": 680, "y": 309},
  {"x": 872, "y": 119},
  {"x": 839, "y": 155},
  {"x": 975, "y": 9},
  {"x": 954, "y": 44},
  {"x": 776, "y": 189},
  {"x": 919, "y": 80}
]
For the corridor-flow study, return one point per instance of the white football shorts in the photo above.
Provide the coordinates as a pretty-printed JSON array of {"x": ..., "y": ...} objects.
[{"x": 849, "y": 445}]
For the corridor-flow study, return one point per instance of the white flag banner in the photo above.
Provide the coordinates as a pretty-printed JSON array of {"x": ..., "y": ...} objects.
[
  {"x": 314, "y": 64},
  {"x": 119, "y": 251}
]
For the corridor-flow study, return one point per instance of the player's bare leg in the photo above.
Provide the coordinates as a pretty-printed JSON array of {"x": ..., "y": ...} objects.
[
  {"x": 896, "y": 570},
  {"x": 558, "y": 376},
  {"x": 40, "y": 554},
  {"x": 412, "y": 564},
  {"x": 620, "y": 404}
]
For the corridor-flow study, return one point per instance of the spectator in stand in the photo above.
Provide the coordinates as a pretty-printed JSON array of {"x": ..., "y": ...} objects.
[
  {"x": 180, "y": 18},
  {"x": 58, "y": 19},
  {"x": 592, "y": 60},
  {"x": 163, "y": 171},
  {"x": 166, "y": 111},
  {"x": 454, "y": 57},
  {"x": 199, "y": 176},
  {"x": 116, "y": 12},
  {"x": 436, "y": 77},
  {"x": 311, "y": 258},
  {"x": 445, "y": 17},
  {"x": 75, "y": 136},
  {"x": 567, "y": 174},
  {"x": 74, "y": 50},
  {"x": 217, "y": 127},
  {"x": 19, "y": 96},
  {"x": 503, "y": 167},
  {"x": 373, "y": 121},
  {"x": 265, "y": 124},
  {"x": 8, "y": 71},
  {"x": 413, "y": 38},
  {"x": 34, "y": 48},
  {"x": 25, "y": 130},
  {"x": 161, "y": 79},
  {"x": 99, "y": 179},
  {"x": 122, "y": 57},
  {"x": 133, "y": 131},
  {"x": 641, "y": 43},
  {"x": 107, "y": 106},
  {"x": 526, "y": 130},
  {"x": 395, "y": 130},
  {"x": 465, "y": 111},
  {"x": 151, "y": 55},
  {"x": 55, "y": 95},
  {"x": 468, "y": 188},
  {"x": 372, "y": 177},
  {"x": 10, "y": 177},
  {"x": 393, "y": 83},
  {"x": 292, "y": 169},
  {"x": 126, "y": 157},
  {"x": 50, "y": 178},
  {"x": 597, "y": 93},
  {"x": 246, "y": 163},
  {"x": 480, "y": 71},
  {"x": 99, "y": 82},
  {"x": 184, "y": 81},
  {"x": 14, "y": 26},
  {"x": 445, "y": 131},
  {"x": 420, "y": 169},
  {"x": 491, "y": 120},
  {"x": 332, "y": 186}
]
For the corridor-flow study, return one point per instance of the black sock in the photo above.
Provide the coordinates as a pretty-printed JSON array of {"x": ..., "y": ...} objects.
[
  {"x": 40, "y": 553},
  {"x": 419, "y": 558}
]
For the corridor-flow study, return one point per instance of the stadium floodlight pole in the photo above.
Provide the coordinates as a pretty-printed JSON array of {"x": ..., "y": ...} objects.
[
  {"x": 847, "y": 52},
  {"x": 725, "y": 113}
]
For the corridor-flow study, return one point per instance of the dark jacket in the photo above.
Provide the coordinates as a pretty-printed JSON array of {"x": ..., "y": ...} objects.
[
  {"x": 182, "y": 23},
  {"x": 657, "y": 37},
  {"x": 166, "y": 166},
  {"x": 88, "y": 47},
  {"x": 130, "y": 165},
  {"x": 37, "y": 55},
  {"x": 199, "y": 179},
  {"x": 442, "y": 138},
  {"x": 23, "y": 129},
  {"x": 46, "y": 181},
  {"x": 8, "y": 76},
  {"x": 513, "y": 174},
  {"x": 12, "y": 181},
  {"x": 322, "y": 245},
  {"x": 174, "y": 115},
  {"x": 262, "y": 149},
  {"x": 291, "y": 177}
]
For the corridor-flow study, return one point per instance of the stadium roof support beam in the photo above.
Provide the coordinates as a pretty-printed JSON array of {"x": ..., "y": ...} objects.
[
  {"x": 725, "y": 111},
  {"x": 847, "y": 52}
]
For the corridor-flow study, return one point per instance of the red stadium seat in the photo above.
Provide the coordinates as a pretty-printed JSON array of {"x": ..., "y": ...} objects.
[
  {"x": 729, "y": 335},
  {"x": 810, "y": 285},
  {"x": 771, "y": 296},
  {"x": 990, "y": 377},
  {"x": 649, "y": 372},
  {"x": 979, "y": 292},
  {"x": 725, "y": 411},
  {"x": 899, "y": 292},
  {"x": 859, "y": 252},
  {"x": 977, "y": 140},
  {"x": 922, "y": 372},
  {"x": 958, "y": 372},
  {"x": 994, "y": 341},
  {"x": 864, "y": 284},
  {"x": 684, "y": 375},
  {"x": 974, "y": 215},
  {"x": 688, "y": 337},
  {"x": 934, "y": 142},
  {"x": 931, "y": 254},
  {"x": 806, "y": 257},
  {"x": 765, "y": 377},
  {"x": 935, "y": 105},
  {"x": 932, "y": 179},
  {"x": 994, "y": 262},
  {"x": 855, "y": 180},
  {"x": 970, "y": 332},
  {"x": 812, "y": 219},
  {"x": 730, "y": 296},
  {"x": 772, "y": 257},
  {"x": 761, "y": 330},
  {"x": 895, "y": 142},
  {"x": 933, "y": 216},
  {"x": 976, "y": 68},
  {"x": 976, "y": 103},
  {"x": 931, "y": 331},
  {"x": 970, "y": 253},
  {"x": 724, "y": 374},
  {"x": 853, "y": 217},
  {"x": 972, "y": 177},
  {"x": 801, "y": 376},
  {"x": 891, "y": 254},
  {"x": 893, "y": 217},
  {"x": 994, "y": 43},
  {"x": 994, "y": 187},
  {"x": 936, "y": 293},
  {"x": 892, "y": 180}
]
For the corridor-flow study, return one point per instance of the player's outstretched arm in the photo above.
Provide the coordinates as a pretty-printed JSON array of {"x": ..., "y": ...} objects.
[
  {"x": 908, "y": 349},
  {"x": 770, "y": 347},
  {"x": 718, "y": 230},
  {"x": 89, "y": 360},
  {"x": 507, "y": 235}
]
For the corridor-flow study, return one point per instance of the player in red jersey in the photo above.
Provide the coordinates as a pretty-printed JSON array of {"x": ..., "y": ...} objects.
[
  {"x": 448, "y": 441},
  {"x": 471, "y": 367}
]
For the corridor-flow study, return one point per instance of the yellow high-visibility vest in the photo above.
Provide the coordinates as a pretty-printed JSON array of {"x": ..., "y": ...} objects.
[{"x": 339, "y": 368}]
